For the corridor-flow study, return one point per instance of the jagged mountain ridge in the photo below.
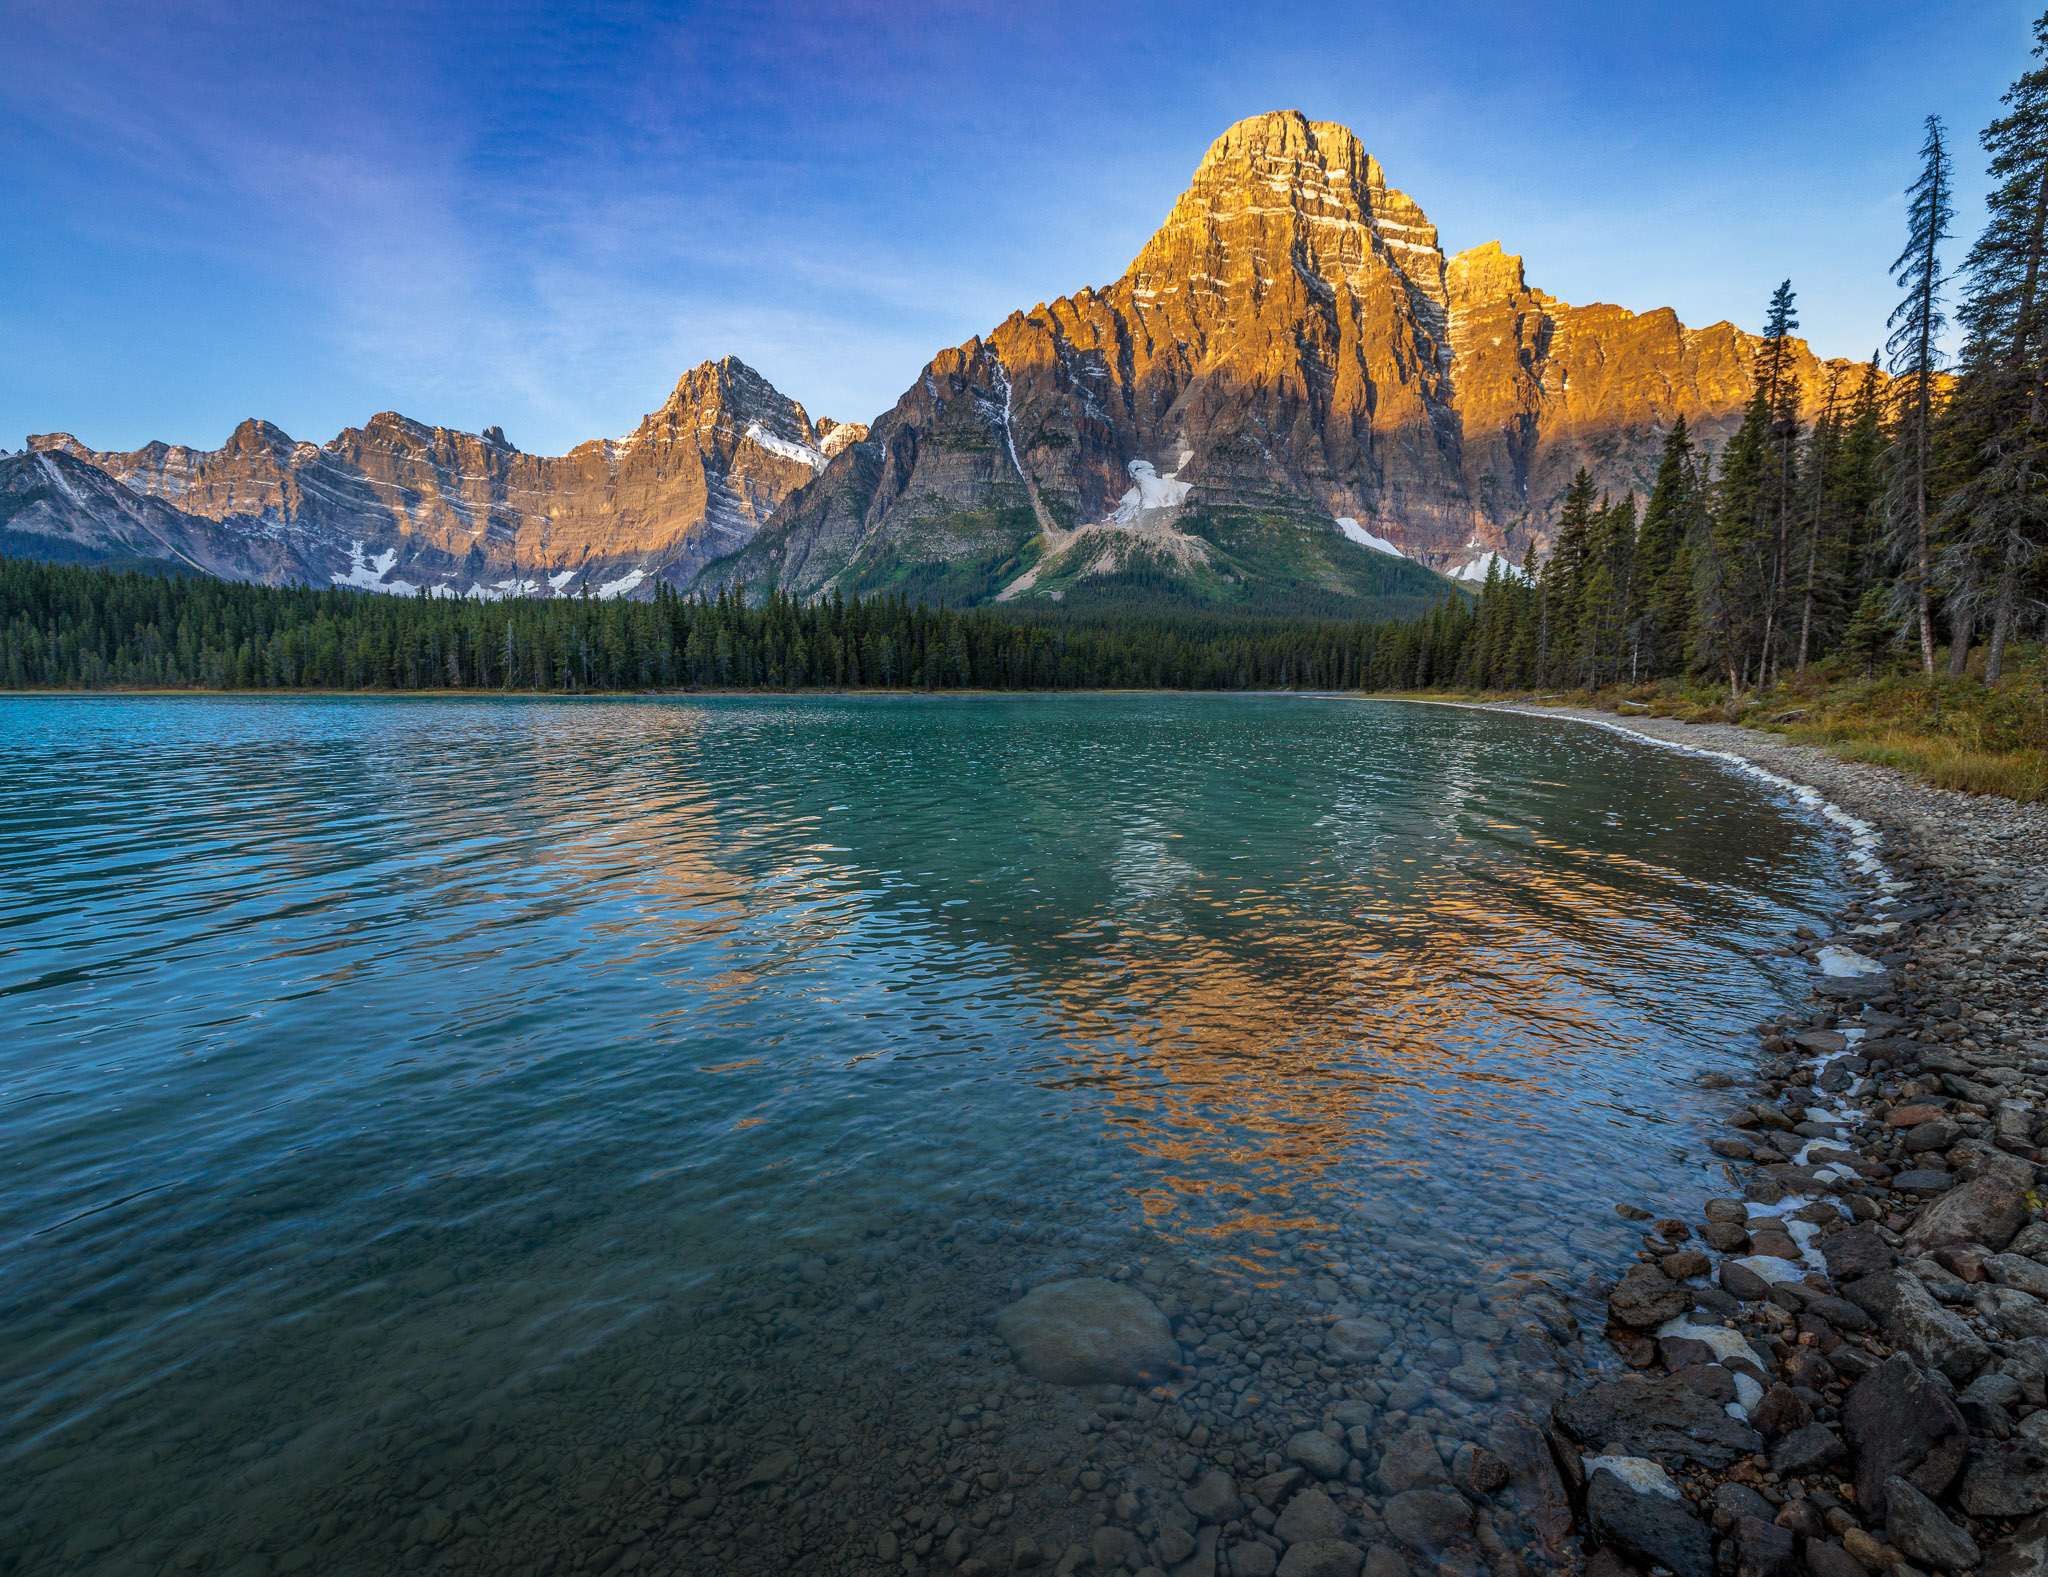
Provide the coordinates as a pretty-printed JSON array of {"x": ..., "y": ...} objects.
[
  {"x": 396, "y": 505},
  {"x": 1290, "y": 369}
]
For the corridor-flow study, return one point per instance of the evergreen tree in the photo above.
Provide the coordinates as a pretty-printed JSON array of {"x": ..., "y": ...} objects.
[
  {"x": 1732, "y": 550},
  {"x": 1916, "y": 323},
  {"x": 1996, "y": 510},
  {"x": 1820, "y": 453},
  {"x": 1779, "y": 322}
]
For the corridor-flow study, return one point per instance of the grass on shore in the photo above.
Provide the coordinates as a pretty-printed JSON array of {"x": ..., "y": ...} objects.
[{"x": 1954, "y": 733}]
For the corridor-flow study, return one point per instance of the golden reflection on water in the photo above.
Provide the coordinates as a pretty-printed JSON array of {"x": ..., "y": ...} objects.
[{"x": 1232, "y": 1028}]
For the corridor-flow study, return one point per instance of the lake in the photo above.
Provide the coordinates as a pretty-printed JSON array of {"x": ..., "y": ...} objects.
[{"x": 547, "y": 1136}]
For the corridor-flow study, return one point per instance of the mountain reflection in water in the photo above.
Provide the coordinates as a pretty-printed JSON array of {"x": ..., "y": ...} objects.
[{"x": 470, "y": 1134}]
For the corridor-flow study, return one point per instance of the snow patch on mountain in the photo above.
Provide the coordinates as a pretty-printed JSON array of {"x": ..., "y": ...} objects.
[
  {"x": 1152, "y": 491},
  {"x": 782, "y": 446},
  {"x": 368, "y": 574},
  {"x": 1476, "y": 571},
  {"x": 1354, "y": 532}
]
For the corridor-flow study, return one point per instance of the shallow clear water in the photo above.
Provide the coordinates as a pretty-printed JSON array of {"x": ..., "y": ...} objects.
[{"x": 474, "y": 1134}]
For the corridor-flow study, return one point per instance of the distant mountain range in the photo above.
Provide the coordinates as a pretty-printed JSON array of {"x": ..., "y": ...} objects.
[{"x": 1292, "y": 401}]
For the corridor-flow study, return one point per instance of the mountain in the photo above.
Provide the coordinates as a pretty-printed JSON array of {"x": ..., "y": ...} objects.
[
  {"x": 55, "y": 506},
  {"x": 396, "y": 505},
  {"x": 1290, "y": 391}
]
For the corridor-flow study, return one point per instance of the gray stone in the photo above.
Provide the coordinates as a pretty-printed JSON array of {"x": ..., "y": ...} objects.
[
  {"x": 2018, "y": 1314},
  {"x": 1310, "y": 1515},
  {"x": 1763, "y": 1549},
  {"x": 1910, "y": 1318},
  {"x": 1971, "y": 1160},
  {"x": 1410, "y": 1394},
  {"x": 1478, "y": 1471},
  {"x": 1318, "y": 1453},
  {"x": 1412, "y": 1462},
  {"x": 1989, "y": 1210},
  {"x": 1647, "y": 1298},
  {"x": 1203, "y": 1562},
  {"x": 1665, "y": 1419},
  {"x": 1173, "y": 1545},
  {"x": 1805, "y": 1449},
  {"x": 2005, "y": 1478},
  {"x": 1214, "y": 1497},
  {"x": 1915, "y": 1524},
  {"x": 1825, "y": 1558},
  {"x": 1251, "y": 1559},
  {"x": 1356, "y": 1341},
  {"x": 1113, "y": 1545},
  {"x": 1322, "y": 1558},
  {"x": 1383, "y": 1560},
  {"x": 1090, "y": 1332},
  {"x": 1923, "y": 1184},
  {"x": 2024, "y": 1554},
  {"x": 1897, "y": 1421},
  {"x": 2016, "y": 1270},
  {"x": 1271, "y": 1488},
  {"x": 1742, "y": 1282},
  {"x": 1733, "y": 1502},
  {"x": 1856, "y": 1252},
  {"x": 1647, "y": 1527},
  {"x": 771, "y": 1469},
  {"x": 1427, "y": 1519}
]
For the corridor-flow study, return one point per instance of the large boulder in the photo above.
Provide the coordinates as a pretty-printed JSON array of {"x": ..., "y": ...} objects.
[
  {"x": 1090, "y": 1332},
  {"x": 1910, "y": 1318},
  {"x": 1856, "y": 1252},
  {"x": 1665, "y": 1419},
  {"x": 1897, "y": 1422},
  {"x": 1916, "y": 1525},
  {"x": 2024, "y": 1554},
  {"x": 1989, "y": 1210},
  {"x": 2005, "y": 1478},
  {"x": 1635, "y": 1509}
]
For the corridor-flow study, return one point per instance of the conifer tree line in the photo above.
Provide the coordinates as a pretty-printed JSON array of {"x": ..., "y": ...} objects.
[
  {"x": 1912, "y": 508},
  {"x": 75, "y": 627}
]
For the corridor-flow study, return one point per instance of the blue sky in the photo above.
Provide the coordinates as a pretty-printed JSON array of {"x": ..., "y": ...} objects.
[{"x": 540, "y": 216}]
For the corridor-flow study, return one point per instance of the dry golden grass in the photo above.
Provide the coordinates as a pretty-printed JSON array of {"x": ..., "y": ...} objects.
[{"x": 1952, "y": 732}]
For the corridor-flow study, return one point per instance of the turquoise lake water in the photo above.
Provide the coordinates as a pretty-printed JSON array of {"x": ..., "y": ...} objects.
[{"x": 464, "y": 1134}]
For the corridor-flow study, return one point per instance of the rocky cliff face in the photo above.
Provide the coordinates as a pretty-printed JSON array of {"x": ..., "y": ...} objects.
[
  {"x": 1289, "y": 379},
  {"x": 396, "y": 505},
  {"x": 54, "y": 506}
]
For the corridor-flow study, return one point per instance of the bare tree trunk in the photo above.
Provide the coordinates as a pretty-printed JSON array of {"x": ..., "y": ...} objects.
[
  {"x": 1962, "y": 626},
  {"x": 2001, "y": 622},
  {"x": 1806, "y": 607}
]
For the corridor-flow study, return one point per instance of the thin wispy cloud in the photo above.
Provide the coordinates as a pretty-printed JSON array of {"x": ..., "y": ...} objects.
[{"x": 509, "y": 214}]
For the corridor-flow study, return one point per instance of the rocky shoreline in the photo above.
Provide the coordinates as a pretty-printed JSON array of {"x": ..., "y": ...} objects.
[{"x": 1844, "y": 1366}]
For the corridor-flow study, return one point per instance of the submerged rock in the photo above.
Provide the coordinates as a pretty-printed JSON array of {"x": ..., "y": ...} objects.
[{"x": 1090, "y": 1332}]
